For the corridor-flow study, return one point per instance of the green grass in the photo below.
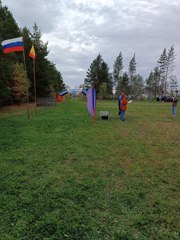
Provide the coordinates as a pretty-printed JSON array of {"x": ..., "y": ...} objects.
[{"x": 62, "y": 178}]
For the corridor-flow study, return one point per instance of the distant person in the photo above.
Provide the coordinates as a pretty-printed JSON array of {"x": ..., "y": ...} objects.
[
  {"x": 119, "y": 102},
  {"x": 174, "y": 105},
  {"x": 124, "y": 103}
]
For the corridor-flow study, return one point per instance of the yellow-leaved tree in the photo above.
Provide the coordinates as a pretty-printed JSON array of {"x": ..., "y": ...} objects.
[{"x": 20, "y": 84}]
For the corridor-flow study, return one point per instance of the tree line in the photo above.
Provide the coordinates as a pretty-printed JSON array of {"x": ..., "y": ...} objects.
[
  {"x": 14, "y": 78},
  {"x": 161, "y": 80}
]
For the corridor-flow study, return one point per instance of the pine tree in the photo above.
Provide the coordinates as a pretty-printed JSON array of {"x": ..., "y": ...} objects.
[
  {"x": 123, "y": 85},
  {"x": 106, "y": 77},
  {"x": 8, "y": 29},
  {"x": 138, "y": 85},
  {"x": 103, "y": 90},
  {"x": 97, "y": 74},
  {"x": 29, "y": 65},
  {"x": 166, "y": 68},
  {"x": 150, "y": 84},
  {"x": 42, "y": 64},
  {"x": 157, "y": 89},
  {"x": 153, "y": 83},
  {"x": 163, "y": 68},
  {"x": 48, "y": 78},
  {"x": 55, "y": 78},
  {"x": 173, "y": 85},
  {"x": 171, "y": 76},
  {"x": 132, "y": 74},
  {"x": 132, "y": 69},
  {"x": 118, "y": 69},
  {"x": 93, "y": 74}
]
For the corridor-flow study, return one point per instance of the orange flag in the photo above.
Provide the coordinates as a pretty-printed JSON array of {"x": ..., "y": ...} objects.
[{"x": 32, "y": 53}]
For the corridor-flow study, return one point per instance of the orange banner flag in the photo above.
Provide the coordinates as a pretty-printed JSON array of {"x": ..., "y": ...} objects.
[{"x": 32, "y": 53}]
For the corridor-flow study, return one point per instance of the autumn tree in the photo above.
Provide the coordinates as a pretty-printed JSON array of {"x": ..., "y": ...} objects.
[
  {"x": 47, "y": 76},
  {"x": 20, "y": 84}
]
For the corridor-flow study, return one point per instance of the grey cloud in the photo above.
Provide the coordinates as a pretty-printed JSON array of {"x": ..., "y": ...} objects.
[
  {"x": 77, "y": 31},
  {"x": 43, "y": 12}
]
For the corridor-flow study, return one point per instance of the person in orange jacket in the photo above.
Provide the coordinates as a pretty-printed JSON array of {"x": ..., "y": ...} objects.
[{"x": 124, "y": 103}]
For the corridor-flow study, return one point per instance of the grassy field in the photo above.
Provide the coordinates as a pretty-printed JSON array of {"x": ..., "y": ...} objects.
[{"x": 62, "y": 178}]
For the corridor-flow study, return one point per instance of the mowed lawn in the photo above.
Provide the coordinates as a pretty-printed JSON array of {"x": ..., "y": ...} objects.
[{"x": 62, "y": 178}]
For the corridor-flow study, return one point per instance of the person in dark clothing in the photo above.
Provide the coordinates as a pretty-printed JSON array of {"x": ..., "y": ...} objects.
[{"x": 119, "y": 102}]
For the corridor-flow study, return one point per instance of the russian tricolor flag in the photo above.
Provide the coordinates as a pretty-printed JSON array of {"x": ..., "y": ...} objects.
[{"x": 13, "y": 45}]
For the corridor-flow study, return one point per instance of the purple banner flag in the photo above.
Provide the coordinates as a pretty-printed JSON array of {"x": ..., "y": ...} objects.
[{"x": 91, "y": 101}]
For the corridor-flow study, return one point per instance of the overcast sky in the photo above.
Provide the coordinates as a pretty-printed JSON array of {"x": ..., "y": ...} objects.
[{"x": 78, "y": 30}]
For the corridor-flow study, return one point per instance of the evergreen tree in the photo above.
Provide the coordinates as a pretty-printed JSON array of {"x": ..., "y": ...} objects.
[
  {"x": 97, "y": 74},
  {"x": 138, "y": 85},
  {"x": 29, "y": 64},
  {"x": 55, "y": 78},
  {"x": 163, "y": 67},
  {"x": 170, "y": 75},
  {"x": 8, "y": 30},
  {"x": 106, "y": 77},
  {"x": 157, "y": 89},
  {"x": 132, "y": 69},
  {"x": 103, "y": 90},
  {"x": 132, "y": 74},
  {"x": 92, "y": 75},
  {"x": 47, "y": 76},
  {"x": 118, "y": 69},
  {"x": 150, "y": 81},
  {"x": 173, "y": 85},
  {"x": 153, "y": 83},
  {"x": 150, "y": 84},
  {"x": 42, "y": 64},
  {"x": 166, "y": 68},
  {"x": 123, "y": 85}
]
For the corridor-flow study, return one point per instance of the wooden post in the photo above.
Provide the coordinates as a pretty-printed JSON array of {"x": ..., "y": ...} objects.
[
  {"x": 34, "y": 85},
  {"x": 27, "y": 97}
]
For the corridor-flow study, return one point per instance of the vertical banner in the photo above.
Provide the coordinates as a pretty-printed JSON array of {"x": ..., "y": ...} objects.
[{"x": 91, "y": 102}]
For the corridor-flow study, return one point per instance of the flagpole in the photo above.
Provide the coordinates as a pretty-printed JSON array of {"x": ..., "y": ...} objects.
[
  {"x": 27, "y": 97},
  {"x": 93, "y": 121},
  {"x": 34, "y": 85}
]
